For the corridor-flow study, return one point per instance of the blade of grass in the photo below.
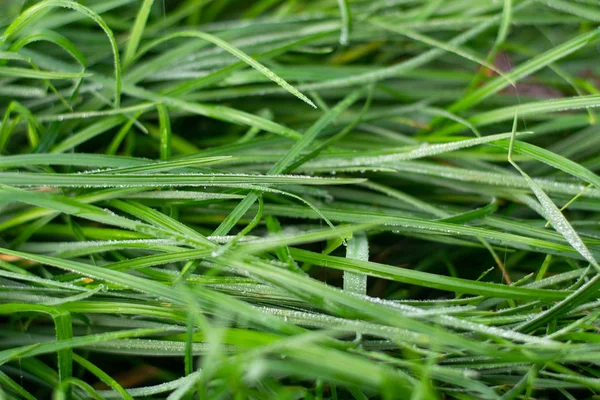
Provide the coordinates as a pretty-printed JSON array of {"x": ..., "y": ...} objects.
[
  {"x": 137, "y": 31},
  {"x": 282, "y": 165},
  {"x": 236, "y": 52},
  {"x": 28, "y": 16},
  {"x": 358, "y": 248}
]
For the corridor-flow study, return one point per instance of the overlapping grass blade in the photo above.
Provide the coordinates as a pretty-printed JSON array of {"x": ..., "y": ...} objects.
[
  {"x": 206, "y": 219},
  {"x": 28, "y": 16}
]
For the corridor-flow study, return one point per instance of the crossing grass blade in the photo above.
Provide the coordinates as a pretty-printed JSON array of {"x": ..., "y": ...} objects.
[
  {"x": 28, "y": 16},
  {"x": 288, "y": 158},
  {"x": 552, "y": 213},
  {"x": 432, "y": 281},
  {"x": 173, "y": 224},
  {"x": 236, "y": 52}
]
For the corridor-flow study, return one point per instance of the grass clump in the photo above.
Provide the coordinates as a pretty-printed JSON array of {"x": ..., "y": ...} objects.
[{"x": 299, "y": 199}]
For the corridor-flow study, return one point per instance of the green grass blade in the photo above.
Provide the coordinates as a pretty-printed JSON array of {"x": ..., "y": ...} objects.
[
  {"x": 553, "y": 214},
  {"x": 288, "y": 159},
  {"x": 28, "y": 16},
  {"x": 346, "y": 21},
  {"x": 358, "y": 248},
  {"x": 15, "y": 72},
  {"x": 64, "y": 331},
  {"x": 165, "y": 132},
  {"x": 527, "y": 68},
  {"x": 103, "y": 376},
  {"x": 425, "y": 279},
  {"x": 236, "y": 52},
  {"x": 137, "y": 31},
  {"x": 102, "y": 180}
]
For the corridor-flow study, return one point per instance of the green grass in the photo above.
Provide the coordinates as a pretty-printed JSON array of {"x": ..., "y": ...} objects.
[{"x": 285, "y": 199}]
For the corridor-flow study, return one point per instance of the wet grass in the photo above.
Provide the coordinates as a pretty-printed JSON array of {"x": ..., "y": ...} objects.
[{"x": 299, "y": 199}]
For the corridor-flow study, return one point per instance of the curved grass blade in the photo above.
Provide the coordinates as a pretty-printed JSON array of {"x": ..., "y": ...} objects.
[
  {"x": 28, "y": 16},
  {"x": 64, "y": 331},
  {"x": 7, "y": 383},
  {"x": 553, "y": 160},
  {"x": 287, "y": 160},
  {"x": 52, "y": 37},
  {"x": 552, "y": 213},
  {"x": 236, "y": 52},
  {"x": 102, "y": 376},
  {"x": 152, "y": 390},
  {"x": 62, "y": 391}
]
